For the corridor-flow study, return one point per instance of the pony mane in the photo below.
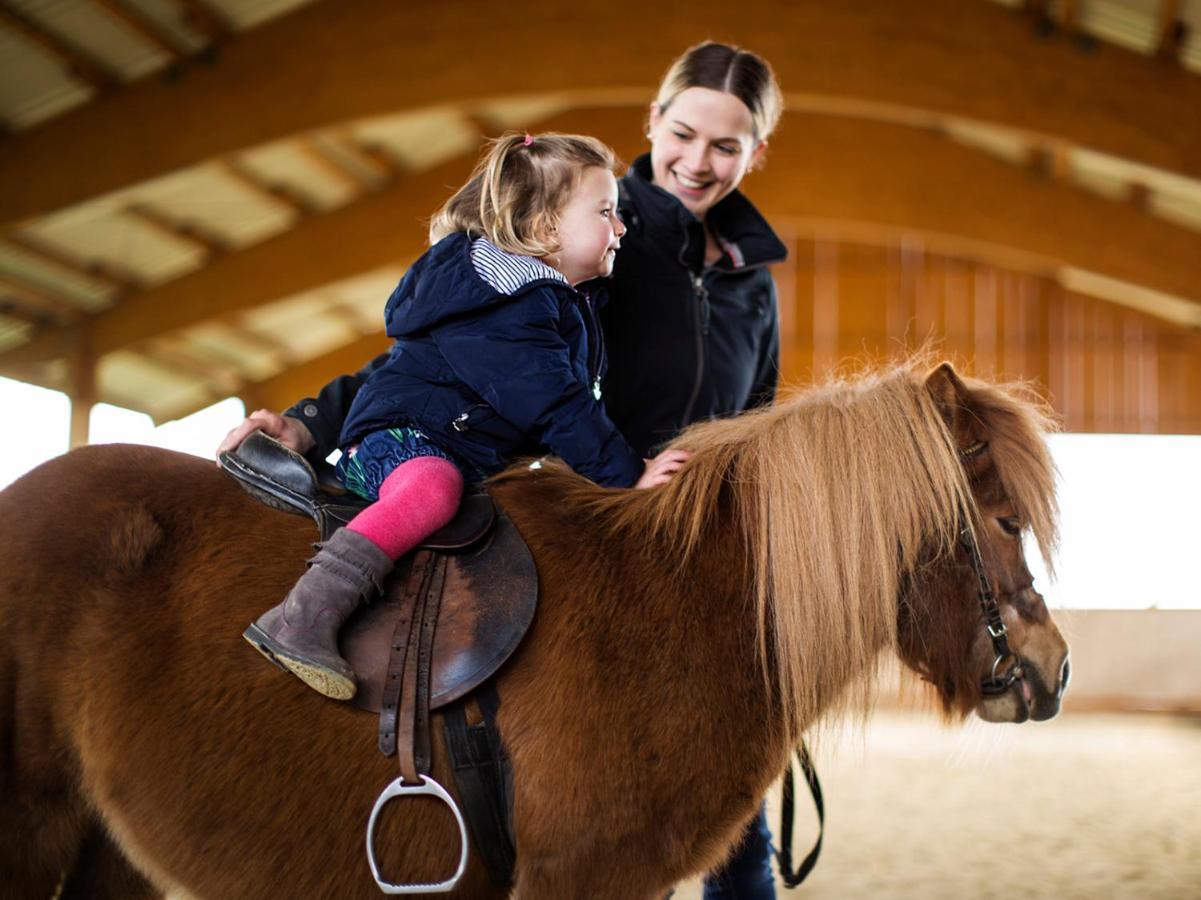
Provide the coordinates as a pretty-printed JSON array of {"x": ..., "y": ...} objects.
[{"x": 837, "y": 493}]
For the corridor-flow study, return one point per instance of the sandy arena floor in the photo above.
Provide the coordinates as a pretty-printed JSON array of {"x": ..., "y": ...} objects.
[{"x": 1096, "y": 806}]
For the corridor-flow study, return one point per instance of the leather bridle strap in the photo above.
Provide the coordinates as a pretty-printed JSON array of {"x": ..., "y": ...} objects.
[{"x": 995, "y": 684}]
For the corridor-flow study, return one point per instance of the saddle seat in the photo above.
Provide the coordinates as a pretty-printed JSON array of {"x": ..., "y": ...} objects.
[{"x": 489, "y": 588}]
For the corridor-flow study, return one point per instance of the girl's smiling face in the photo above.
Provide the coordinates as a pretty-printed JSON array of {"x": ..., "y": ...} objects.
[
  {"x": 702, "y": 145},
  {"x": 589, "y": 231}
]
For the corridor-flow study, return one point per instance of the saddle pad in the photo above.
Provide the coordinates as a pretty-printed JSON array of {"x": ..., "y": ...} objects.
[{"x": 488, "y": 603}]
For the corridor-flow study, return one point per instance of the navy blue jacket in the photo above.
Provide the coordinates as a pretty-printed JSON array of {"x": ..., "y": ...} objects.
[
  {"x": 491, "y": 376},
  {"x": 686, "y": 342}
]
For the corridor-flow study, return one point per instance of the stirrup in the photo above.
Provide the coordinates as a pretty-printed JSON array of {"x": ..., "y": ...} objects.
[{"x": 431, "y": 788}]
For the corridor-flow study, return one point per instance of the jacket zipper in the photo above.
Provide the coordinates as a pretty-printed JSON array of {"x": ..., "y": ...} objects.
[
  {"x": 596, "y": 344},
  {"x": 701, "y": 313}
]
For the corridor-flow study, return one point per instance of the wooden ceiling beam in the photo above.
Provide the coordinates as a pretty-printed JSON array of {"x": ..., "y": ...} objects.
[
  {"x": 831, "y": 168},
  {"x": 974, "y": 60}
]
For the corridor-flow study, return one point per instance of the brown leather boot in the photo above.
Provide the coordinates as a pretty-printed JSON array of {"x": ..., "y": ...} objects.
[{"x": 301, "y": 634}]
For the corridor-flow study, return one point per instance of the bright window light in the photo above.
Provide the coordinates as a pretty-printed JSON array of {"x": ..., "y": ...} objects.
[{"x": 1129, "y": 539}]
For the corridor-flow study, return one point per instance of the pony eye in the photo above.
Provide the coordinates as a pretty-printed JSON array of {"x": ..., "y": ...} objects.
[{"x": 1010, "y": 525}]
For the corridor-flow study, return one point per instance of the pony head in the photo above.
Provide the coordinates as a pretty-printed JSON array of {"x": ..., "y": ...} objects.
[{"x": 942, "y": 633}]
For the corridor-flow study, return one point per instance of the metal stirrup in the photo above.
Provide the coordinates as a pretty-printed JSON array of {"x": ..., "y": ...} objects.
[{"x": 431, "y": 788}]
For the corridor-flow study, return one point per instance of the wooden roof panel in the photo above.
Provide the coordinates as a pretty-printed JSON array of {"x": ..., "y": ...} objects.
[
  {"x": 120, "y": 243},
  {"x": 125, "y": 379},
  {"x": 287, "y": 163},
  {"x": 88, "y": 294},
  {"x": 419, "y": 140},
  {"x": 101, "y": 35},
  {"x": 1128, "y": 23},
  {"x": 219, "y": 202},
  {"x": 34, "y": 86},
  {"x": 13, "y": 331},
  {"x": 167, "y": 17},
  {"x": 248, "y": 13}
]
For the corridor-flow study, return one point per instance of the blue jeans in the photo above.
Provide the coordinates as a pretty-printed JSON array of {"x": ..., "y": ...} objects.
[{"x": 747, "y": 875}]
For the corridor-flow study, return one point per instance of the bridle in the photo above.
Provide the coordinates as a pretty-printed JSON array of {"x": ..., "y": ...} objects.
[{"x": 995, "y": 684}]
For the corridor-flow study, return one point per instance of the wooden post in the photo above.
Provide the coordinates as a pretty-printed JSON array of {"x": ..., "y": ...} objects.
[{"x": 82, "y": 385}]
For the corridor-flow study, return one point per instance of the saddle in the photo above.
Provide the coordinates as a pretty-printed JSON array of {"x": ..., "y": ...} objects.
[{"x": 452, "y": 612}]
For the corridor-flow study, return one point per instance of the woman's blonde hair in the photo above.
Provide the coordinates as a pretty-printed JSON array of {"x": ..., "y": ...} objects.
[
  {"x": 519, "y": 188},
  {"x": 732, "y": 70}
]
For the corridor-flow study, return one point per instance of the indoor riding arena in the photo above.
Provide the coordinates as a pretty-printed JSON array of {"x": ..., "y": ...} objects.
[{"x": 917, "y": 281}]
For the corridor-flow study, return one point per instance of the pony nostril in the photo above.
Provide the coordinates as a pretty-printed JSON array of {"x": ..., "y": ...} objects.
[{"x": 1065, "y": 674}]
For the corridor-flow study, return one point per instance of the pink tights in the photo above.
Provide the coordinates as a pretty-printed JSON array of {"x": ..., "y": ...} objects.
[{"x": 415, "y": 500}]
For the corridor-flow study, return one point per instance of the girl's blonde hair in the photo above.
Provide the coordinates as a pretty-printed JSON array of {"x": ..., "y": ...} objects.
[
  {"x": 732, "y": 70},
  {"x": 519, "y": 188}
]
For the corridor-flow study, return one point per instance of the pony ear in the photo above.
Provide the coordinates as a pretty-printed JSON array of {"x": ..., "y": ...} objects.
[{"x": 949, "y": 394}]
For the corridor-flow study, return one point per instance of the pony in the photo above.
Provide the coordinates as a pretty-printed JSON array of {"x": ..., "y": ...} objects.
[{"x": 687, "y": 638}]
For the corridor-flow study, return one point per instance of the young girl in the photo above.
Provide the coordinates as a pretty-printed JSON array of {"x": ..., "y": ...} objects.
[{"x": 497, "y": 355}]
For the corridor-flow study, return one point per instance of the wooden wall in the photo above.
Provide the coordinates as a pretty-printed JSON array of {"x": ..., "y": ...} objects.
[{"x": 1105, "y": 367}]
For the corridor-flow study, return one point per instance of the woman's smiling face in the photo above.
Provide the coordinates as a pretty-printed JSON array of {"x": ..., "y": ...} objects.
[{"x": 701, "y": 147}]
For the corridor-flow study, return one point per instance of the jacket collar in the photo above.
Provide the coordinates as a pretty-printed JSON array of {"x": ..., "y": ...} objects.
[{"x": 745, "y": 235}]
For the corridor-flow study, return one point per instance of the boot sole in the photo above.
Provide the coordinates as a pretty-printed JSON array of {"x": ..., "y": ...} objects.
[{"x": 320, "y": 678}]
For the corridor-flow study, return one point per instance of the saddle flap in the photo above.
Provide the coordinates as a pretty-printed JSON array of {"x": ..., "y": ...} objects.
[{"x": 488, "y": 603}]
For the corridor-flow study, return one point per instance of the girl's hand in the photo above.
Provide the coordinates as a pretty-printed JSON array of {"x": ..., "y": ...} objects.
[
  {"x": 660, "y": 469},
  {"x": 290, "y": 432}
]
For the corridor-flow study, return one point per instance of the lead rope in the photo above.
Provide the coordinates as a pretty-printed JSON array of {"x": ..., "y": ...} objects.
[{"x": 788, "y": 814}]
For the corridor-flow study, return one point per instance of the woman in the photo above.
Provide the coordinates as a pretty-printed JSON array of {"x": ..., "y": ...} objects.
[{"x": 691, "y": 326}]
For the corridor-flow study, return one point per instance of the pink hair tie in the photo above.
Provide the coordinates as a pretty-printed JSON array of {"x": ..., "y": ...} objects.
[{"x": 529, "y": 140}]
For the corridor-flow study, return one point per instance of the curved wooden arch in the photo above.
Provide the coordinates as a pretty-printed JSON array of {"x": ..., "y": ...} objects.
[
  {"x": 820, "y": 167},
  {"x": 336, "y": 61}
]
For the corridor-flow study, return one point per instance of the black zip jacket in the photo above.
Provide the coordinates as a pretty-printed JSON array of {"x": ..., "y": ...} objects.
[{"x": 686, "y": 342}]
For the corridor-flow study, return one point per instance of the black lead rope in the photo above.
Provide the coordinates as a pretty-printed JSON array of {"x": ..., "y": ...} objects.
[{"x": 788, "y": 813}]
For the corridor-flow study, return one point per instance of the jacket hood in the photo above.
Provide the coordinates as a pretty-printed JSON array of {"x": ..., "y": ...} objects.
[{"x": 443, "y": 284}]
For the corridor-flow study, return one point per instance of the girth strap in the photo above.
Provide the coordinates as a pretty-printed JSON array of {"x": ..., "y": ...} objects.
[{"x": 484, "y": 779}]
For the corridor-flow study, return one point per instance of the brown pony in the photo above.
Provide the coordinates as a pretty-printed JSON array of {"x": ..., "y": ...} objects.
[{"x": 686, "y": 638}]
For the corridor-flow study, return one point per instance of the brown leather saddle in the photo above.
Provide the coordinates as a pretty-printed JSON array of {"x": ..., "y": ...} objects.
[
  {"x": 452, "y": 612},
  {"x": 489, "y": 586}
]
